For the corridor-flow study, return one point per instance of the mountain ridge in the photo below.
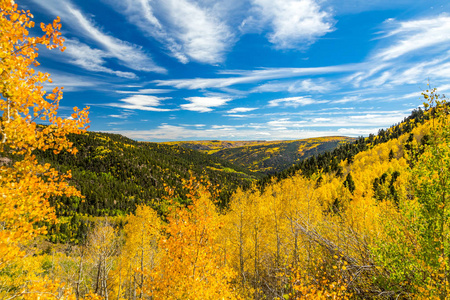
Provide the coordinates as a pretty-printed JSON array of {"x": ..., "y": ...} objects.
[{"x": 266, "y": 157}]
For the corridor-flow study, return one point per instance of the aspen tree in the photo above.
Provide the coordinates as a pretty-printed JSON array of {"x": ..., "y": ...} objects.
[
  {"x": 191, "y": 266},
  {"x": 26, "y": 185},
  {"x": 140, "y": 254}
]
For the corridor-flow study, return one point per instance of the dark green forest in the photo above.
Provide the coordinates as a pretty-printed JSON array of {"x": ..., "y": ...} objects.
[{"x": 115, "y": 174}]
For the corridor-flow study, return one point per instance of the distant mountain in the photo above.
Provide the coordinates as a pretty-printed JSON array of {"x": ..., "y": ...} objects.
[{"x": 266, "y": 157}]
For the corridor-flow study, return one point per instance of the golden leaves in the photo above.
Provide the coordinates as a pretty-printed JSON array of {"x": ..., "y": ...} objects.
[
  {"x": 26, "y": 185},
  {"x": 191, "y": 266}
]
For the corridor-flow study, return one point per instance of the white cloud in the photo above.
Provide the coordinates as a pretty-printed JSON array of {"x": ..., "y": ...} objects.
[
  {"x": 130, "y": 55},
  {"x": 294, "y": 23},
  {"x": 381, "y": 79},
  {"x": 70, "y": 82},
  {"x": 166, "y": 132},
  {"x": 307, "y": 85},
  {"x": 145, "y": 91},
  {"x": 194, "y": 125},
  {"x": 367, "y": 71},
  {"x": 204, "y": 104},
  {"x": 285, "y": 123},
  {"x": 315, "y": 120},
  {"x": 82, "y": 55},
  {"x": 279, "y": 128},
  {"x": 241, "y": 110},
  {"x": 123, "y": 115},
  {"x": 415, "y": 72},
  {"x": 294, "y": 102},
  {"x": 432, "y": 33},
  {"x": 142, "y": 102},
  {"x": 189, "y": 30},
  {"x": 347, "y": 99},
  {"x": 413, "y": 52},
  {"x": 374, "y": 118},
  {"x": 416, "y": 95},
  {"x": 239, "y": 116},
  {"x": 443, "y": 88},
  {"x": 250, "y": 76},
  {"x": 357, "y": 131}
]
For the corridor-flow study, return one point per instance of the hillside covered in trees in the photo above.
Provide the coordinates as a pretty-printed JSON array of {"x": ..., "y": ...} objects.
[
  {"x": 115, "y": 174},
  {"x": 267, "y": 157}
]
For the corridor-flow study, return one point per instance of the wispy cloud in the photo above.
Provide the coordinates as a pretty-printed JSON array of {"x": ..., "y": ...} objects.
[
  {"x": 240, "y": 116},
  {"x": 294, "y": 102},
  {"x": 241, "y": 110},
  {"x": 250, "y": 76},
  {"x": 295, "y": 23},
  {"x": 142, "y": 102},
  {"x": 204, "y": 104},
  {"x": 296, "y": 86},
  {"x": 90, "y": 59},
  {"x": 189, "y": 30},
  {"x": 369, "y": 120},
  {"x": 128, "y": 54},
  {"x": 410, "y": 53},
  {"x": 70, "y": 82},
  {"x": 145, "y": 91},
  {"x": 123, "y": 115},
  {"x": 415, "y": 71},
  {"x": 445, "y": 88},
  {"x": 431, "y": 33}
]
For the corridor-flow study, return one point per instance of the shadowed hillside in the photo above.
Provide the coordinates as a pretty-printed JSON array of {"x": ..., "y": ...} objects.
[{"x": 115, "y": 174}]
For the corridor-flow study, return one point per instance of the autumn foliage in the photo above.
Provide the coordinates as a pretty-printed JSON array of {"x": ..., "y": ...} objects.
[{"x": 26, "y": 185}]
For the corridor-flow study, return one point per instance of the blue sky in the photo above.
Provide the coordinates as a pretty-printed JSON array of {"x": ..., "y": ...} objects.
[{"x": 160, "y": 70}]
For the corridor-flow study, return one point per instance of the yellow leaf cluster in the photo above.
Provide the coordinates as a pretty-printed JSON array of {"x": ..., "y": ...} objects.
[{"x": 26, "y": 185}]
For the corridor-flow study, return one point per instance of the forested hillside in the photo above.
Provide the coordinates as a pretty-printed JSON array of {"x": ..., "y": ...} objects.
[
  {"x": 266, "y": 157},
  {"x": 115, "y": 174}
]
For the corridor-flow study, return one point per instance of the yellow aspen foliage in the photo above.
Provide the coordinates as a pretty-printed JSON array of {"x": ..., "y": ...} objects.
[
  {"x": 103, "y": 245},
  {"x": 140, "y": 254},
  {"x": 266, "y": 235},
  {"x": 25, "y": 185},
  {"x": 235, "y": 240},
  {"x": 319, "y": 286},
  {"x": 24, "y": 280},
  {"x": 191, "y": 266}
]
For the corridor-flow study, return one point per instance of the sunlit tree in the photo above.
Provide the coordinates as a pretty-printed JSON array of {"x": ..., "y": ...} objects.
[{"x": 26, "y": 185}]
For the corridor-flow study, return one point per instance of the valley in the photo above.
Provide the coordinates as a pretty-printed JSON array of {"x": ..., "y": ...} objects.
[{"x": 266, "y": 157}]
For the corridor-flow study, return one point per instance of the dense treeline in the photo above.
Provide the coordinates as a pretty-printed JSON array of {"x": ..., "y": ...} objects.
[{"x": 115, "y": 174}]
